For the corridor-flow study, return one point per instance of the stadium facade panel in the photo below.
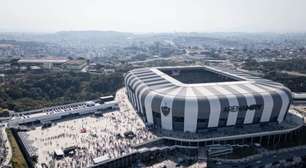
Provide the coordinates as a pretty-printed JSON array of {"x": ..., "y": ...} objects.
[{"x": 192, "y": 99}]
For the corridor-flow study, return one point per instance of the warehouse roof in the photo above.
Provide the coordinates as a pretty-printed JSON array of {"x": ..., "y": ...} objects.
[{"x": 43, "y": 60}]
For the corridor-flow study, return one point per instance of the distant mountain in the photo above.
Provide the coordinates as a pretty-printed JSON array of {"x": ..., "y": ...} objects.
[
  {"x": 72, "y": 38},
  {"x": 94, "y": 34}
]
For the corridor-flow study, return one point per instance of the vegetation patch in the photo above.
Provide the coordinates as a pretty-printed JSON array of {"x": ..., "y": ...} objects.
[
  {"x": 33, "y": 91},
  {"x": 291, "y": 73},
  {"x": 17, "y": 160}
]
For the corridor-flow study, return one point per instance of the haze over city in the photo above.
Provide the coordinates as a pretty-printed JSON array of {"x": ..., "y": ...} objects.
[
  {"x": 140, "y": 16},
  {"x": 152, "y": 83}
]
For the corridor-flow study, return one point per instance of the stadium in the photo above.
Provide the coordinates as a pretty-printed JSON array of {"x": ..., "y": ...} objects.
[{"x": 197, "y": 98}]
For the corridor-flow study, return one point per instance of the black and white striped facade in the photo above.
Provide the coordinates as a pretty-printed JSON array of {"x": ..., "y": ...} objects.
[{"x": 172, "y": 105}]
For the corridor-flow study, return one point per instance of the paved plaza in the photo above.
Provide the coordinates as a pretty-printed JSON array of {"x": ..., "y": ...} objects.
[{"x": 94, "y": 136}]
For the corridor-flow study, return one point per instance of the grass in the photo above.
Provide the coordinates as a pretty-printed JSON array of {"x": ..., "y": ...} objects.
[{"x": 17, "y": 160}]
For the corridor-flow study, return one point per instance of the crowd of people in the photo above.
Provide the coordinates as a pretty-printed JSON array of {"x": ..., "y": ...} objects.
[{"x": 93, "y": 136}]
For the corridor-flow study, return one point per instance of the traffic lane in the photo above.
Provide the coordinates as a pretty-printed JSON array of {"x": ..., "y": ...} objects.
[{"x": 264, "y": 160}]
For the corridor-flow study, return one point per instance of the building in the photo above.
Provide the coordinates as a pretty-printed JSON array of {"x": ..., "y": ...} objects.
[
  {"x": 75, "y": 64},
  {"x": 50, "y": 114},
  {"x": 192, "y": 99},
  {"x": 45, "y": 63}
]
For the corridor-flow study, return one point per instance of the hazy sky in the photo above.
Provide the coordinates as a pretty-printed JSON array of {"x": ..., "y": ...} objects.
[{"x": 154, "y": 15}]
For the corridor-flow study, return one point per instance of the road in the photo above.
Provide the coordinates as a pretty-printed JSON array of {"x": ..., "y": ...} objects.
[{"x": 266, "y": 158}]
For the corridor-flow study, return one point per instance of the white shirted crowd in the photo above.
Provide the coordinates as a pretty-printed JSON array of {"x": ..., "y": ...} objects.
[{"x": 94, "y": 136}]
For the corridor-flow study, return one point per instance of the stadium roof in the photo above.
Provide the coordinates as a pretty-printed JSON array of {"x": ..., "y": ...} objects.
[{"x": 155, "y": 80}]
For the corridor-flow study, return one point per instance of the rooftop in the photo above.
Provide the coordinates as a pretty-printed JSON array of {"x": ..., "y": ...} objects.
[
  {"x": 75, "y": 62},
  {"x": 43, "y": 60},
  {"x": 200, "y": 82}
]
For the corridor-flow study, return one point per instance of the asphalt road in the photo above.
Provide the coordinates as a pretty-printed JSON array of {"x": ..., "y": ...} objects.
[{"x": 264, "y": 160}]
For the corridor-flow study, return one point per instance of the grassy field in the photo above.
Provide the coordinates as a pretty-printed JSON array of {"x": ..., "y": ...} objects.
[{"x": 18, "y": 161}]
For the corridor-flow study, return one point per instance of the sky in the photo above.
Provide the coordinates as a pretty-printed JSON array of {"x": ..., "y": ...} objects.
[{"x": 153, "y": 15}]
